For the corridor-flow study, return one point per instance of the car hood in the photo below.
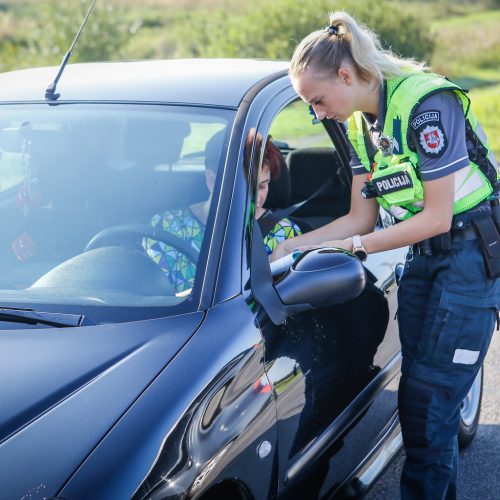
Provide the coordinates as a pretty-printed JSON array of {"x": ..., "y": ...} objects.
[{"x": 63, "y": 389}]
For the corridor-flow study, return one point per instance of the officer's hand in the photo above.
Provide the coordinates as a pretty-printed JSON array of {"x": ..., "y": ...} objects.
[{"x": 280, "y": 251}]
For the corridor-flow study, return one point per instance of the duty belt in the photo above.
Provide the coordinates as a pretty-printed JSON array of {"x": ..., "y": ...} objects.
[{"x": 429, "y": 246}]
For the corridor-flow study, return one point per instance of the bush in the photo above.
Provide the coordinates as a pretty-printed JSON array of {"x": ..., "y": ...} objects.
[
  {"x": 11, "y": 41},
  {"x": 272, "y": 29},
  {"x": 56, "y": 23},
  {"x": 405, "y": 33}
]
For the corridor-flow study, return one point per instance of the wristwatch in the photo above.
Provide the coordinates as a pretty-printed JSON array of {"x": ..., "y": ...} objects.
[{"x": 357, "y": 248}]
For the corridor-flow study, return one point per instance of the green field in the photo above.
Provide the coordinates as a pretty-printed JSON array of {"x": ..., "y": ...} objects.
[
  {"x": 469, "y": 52},
  {"x": 486, "y": 104},
  {"x": 469, "y": 47}
]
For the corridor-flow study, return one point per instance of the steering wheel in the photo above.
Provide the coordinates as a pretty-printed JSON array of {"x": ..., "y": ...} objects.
[{"x": 124, "y": 234}]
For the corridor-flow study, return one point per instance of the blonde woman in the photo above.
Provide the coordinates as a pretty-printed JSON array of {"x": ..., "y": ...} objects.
[{"x": 418, "y": 151}]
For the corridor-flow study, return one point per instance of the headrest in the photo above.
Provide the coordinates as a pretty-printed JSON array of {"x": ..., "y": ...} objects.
[
  {"x": 280, "y": 191},
  {"x": 150, "y": 143},
  {"x": 309, "y": 169},
  {"x": 213, "y": 150}
]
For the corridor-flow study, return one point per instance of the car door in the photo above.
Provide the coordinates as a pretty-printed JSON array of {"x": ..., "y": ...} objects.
[{"x": 333, "y": 370}]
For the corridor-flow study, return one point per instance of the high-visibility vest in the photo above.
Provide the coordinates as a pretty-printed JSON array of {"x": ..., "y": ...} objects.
[{"x": 394, "y": 172}]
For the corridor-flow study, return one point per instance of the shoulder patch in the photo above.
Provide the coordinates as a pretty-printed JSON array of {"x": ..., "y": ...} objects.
[
  {"x": 429, "y": 133},
  {"x": 432, "y": 139},
  {"x": 422, "y": 118}
]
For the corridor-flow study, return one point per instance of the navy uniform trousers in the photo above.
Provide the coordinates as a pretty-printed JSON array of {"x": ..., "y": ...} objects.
[{"x": 447, "y": 314}]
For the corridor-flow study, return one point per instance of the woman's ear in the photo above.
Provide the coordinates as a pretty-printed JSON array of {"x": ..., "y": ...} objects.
[
  {"x": 210, "y": 179},
  {"x": 345, "y": 75}
]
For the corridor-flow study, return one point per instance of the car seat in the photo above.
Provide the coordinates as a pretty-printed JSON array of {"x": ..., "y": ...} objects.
[
  {"x": 280, "y": 197},
  {"x": 149, "y": 143},
  {"x": 150, "y": 184},
  {"x": 280, "y": 191},
  {"x": 311, "y": 168}
]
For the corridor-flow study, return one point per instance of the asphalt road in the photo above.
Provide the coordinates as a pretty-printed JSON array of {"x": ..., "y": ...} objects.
[{"x": 479, "y": 469}]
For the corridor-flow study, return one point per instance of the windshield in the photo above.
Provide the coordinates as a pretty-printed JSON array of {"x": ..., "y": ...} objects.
[{"x": 106, "y": 206}]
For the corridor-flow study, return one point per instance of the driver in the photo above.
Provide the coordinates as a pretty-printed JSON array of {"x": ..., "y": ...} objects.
[{"x": 189, "y": 222}]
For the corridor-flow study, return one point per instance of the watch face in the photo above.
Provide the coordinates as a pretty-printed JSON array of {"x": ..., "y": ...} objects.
[{"x": 360, "y": 254}]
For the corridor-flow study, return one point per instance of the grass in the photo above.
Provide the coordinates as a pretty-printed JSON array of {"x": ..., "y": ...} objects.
[
  {"x": 469, "y": 47},
  {"x": 486, "y": 106},
  {"x": 468, "y": 51},
  {"x": 177, "y": 4}
]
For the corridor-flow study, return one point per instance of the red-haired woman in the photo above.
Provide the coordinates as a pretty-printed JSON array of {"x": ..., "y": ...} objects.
[
  {"x": 188, "y": 222},
  {"x": 280, "y": 229}
]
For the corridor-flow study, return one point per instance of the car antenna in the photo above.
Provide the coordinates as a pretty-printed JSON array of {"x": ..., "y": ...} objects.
[{"x": 50, "y": 93}]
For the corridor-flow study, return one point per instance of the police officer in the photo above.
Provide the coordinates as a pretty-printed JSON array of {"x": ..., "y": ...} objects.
[{"x": 418, "y": 151}]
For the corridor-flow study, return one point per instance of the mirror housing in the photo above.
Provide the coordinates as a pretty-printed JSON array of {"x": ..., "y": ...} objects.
[{"x": 321, "y": 277}]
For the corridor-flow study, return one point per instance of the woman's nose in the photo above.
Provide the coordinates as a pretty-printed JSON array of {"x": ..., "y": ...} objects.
[{"x": 320, "y": 115}]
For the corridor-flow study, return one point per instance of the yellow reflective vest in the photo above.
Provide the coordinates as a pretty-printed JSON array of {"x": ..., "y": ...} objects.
[{"x": 394, "y": 167}]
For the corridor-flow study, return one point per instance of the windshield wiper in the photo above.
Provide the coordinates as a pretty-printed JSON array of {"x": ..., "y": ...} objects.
[{"x": 31, "y": 317}]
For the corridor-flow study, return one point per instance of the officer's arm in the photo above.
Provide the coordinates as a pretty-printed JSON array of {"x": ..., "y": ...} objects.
[
  {"x": 361, "y": 219},
  {"x": 434, "y": 219}
]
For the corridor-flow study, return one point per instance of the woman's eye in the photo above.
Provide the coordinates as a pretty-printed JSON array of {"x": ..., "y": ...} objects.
[{"x": 316, "y": 103}]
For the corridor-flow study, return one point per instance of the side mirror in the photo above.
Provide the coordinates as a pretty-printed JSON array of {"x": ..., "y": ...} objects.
[{"x": 321, "y": 277}]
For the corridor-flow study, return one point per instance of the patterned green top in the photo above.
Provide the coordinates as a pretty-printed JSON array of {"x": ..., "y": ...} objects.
[
  {"x": 184, "y": 224},
  {"x": 282, "y": 230}
]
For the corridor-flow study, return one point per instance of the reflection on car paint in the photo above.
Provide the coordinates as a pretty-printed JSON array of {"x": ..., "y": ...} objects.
[
  {"x": 318, "y": 362},
  {"x": 213, "y": 427}
]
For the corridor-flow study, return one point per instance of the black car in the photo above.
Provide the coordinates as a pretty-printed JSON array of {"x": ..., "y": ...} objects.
[{"x": 114, "y": 384}]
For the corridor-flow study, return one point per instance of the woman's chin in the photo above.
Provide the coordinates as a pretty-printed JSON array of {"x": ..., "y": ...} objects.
[{"x": 259, "y": 212}]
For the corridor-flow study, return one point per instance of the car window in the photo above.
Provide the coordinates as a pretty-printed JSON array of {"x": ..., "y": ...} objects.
[
  {"x": 107, "y": 205},
  {"x": 312, "y": 163},
  {"x": 296, "y": 127}
]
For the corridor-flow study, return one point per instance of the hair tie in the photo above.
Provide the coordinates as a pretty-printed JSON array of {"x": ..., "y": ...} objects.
[{"x": 332, "y": 30}]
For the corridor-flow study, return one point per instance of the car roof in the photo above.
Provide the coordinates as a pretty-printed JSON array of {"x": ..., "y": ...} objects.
[{"x": 218, "y": 82}]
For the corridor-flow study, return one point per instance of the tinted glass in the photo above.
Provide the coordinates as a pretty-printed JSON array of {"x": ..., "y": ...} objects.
[{"x": 107, "y": 206}]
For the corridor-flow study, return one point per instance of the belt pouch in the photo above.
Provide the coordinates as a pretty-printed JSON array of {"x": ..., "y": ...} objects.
[
  {"x": 441, "y": 243},
  {"x": 495, "y": 211},
  {"x": 489, "y": 238}
]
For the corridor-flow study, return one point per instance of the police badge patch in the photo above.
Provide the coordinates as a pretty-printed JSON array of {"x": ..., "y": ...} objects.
[
  {"x": 430, "y": 133},
  {"x": 432, "y": 139}
]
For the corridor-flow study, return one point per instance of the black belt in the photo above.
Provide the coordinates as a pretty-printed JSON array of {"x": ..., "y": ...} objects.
[
  {"x": 427, "y": 247},
  {"x": 467, "y": 233}
]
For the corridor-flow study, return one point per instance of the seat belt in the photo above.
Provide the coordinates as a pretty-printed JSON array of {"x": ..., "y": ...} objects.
[{"x": 286, "y": 212}]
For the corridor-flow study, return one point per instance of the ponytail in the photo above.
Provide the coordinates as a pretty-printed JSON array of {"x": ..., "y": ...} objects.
[{"x": 324, "y": 51}]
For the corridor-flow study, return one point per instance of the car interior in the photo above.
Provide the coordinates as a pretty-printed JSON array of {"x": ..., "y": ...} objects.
[
  {"x": 308, "y": 171},
  {"x": 60, "y": 188}
]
